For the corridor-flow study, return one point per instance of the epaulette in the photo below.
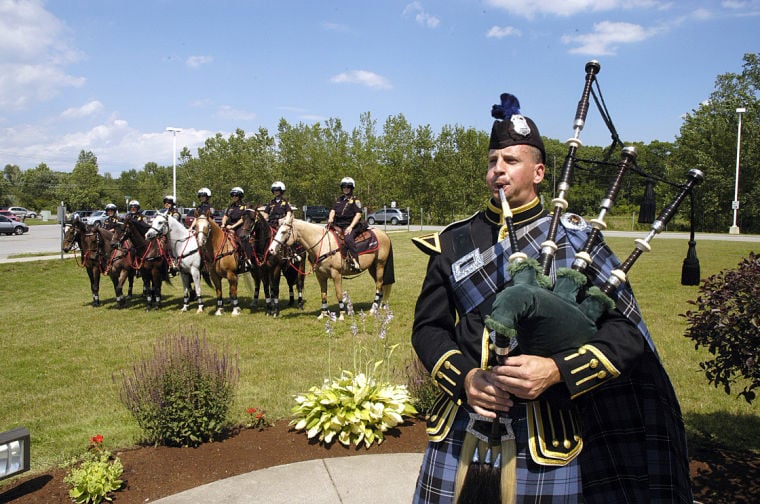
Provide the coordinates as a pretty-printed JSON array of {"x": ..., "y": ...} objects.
[{"x": 429, "y": 244}]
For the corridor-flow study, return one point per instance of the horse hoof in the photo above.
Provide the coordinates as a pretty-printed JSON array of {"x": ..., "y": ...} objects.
[
  {"x": 341, "y": 317},
  {"x": 218, "y": 313},
  {"x": 322, "y": 315},
  {"x": 236, "y": 311},
  {"x": 184, "y": 308},
  {"x": 199, "y": 310}
]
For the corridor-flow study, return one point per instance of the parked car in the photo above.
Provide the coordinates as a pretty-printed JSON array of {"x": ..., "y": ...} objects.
[
  {"x": 9, "y": 214},
  {"x": 98, "y": 217},
  {"x": 9, "y": 226},
  {"x": 149, "y": 214},
  {"x": 21, "y": 212},
  {"x": 316, "y": 213},
  {"x": 188, "y": 216},
  {"x": 79, "y": 214},
  {"x": 388, "y": 215}
]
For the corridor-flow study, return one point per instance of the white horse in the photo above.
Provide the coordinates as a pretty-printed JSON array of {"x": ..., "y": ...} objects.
[{"x": 186, "y": 251}]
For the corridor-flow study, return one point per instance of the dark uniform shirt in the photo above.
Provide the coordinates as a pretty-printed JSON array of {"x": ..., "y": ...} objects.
[
  {"x": 346, "y": 207},
  {"x": 234, "y": 212},
  {"x": 277, "y": 209},
  {"x": 111, "y": 221},
  {"x": 205, "y": 207}
]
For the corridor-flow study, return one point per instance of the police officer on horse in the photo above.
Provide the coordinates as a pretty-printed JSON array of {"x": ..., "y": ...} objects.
[
  {"x": 112, "y": 219},
  {"x": 233, "y": 222},
  {"x": 346, "y": 215},
  {"x": 278, "y": 207}
]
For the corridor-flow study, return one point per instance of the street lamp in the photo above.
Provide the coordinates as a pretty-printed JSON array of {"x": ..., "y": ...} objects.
[
  {"x": 735, "y": 204},
  {"x": 174, "y": 160}
]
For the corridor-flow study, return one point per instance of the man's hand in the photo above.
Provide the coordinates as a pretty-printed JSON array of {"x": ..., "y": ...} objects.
[
  {"x": 484, "y": 394},
  {"x": 527, "y": 376}
]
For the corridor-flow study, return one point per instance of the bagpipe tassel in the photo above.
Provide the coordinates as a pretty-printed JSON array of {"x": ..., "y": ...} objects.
[
  {"x": 690, "y": 274},
  {"x": 648, "y": 204}
]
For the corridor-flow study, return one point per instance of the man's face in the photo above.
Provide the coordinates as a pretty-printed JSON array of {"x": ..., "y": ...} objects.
[{"x": 517, "y": 169}]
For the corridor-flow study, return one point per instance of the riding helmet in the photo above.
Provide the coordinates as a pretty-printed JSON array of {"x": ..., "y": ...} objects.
[
  {"x": 134, "y": 204},
  {"x": 278, "y": 186},
  {"x": 169, "y": 199},
  {"x": 347, "y": 182},
  {"x": 204, "y": 191},
  {"x": 110, "y": 206},
  {"x": 237, "y": 191}
]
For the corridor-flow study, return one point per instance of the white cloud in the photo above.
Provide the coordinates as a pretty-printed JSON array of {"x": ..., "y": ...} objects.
[
  {"x": 571, "y": 7},
  {"x": 34, "y": 51},
  {"x": 228, "y": 112},
  {"x": 607, "y": 37},
  {"x": 363, "y": 77},
  {"x": 503, "y": 31},
  {"x": 85, "y": 110},
  {"x": 420, "y": 15},
  {"x": 198, "y": 61}
]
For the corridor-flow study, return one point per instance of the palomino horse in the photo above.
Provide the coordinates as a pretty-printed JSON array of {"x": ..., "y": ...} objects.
[
  {"x": 271, "y": 266},
  {"x": 221, "y": 247},
  {"x": 148, "y": 256},
  {"x": 186, "y": 250},
  {"x": 324, "y": 250},
  {"x": 93, "y": 252}
]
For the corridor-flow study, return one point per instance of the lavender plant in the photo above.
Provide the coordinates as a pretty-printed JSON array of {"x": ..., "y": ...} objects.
[{"x": 181, "y": 395}]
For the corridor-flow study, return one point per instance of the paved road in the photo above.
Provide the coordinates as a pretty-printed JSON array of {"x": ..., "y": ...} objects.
[{"x": 47, "y": 239}]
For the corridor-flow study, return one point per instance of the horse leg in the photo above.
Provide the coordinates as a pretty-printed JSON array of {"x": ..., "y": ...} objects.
[
  {"x": 275, "y": 288},
  {"x": 218, "y": 287},
  {"x": 185, "y": 290},
  {"x": 196, "y": 274},
  {"x": 158, "y": 276},
  {"x": 299, "y": 285},
  {"x": 377, "y": 275},
  {"x": 94, "y": 273},
  {"x": 322, "y": 279},
  {"x": 338, "y": 282},
  {"x": 232, "y": 279}
]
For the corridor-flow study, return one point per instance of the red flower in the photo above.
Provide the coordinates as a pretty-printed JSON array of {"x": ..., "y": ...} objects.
[
  {"x": 251, "y": 411},
  {"x": 96, "y": 439},
  {"x": 259, "y": 416}
]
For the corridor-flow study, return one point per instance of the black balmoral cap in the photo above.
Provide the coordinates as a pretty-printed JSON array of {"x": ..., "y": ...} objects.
[{"x": 512, "y": 128}]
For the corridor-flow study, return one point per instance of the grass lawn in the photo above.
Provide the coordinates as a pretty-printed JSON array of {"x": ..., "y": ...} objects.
[{"x": 60, "y": 355}]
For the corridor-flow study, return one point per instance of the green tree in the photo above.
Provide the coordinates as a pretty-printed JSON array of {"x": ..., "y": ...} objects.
[
  {"x": 708, "y": 141},
  {"x": 84, "y": 185}
]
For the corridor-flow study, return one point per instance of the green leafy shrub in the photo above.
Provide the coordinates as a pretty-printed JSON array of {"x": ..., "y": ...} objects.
[
  {"x": 95, "y": 476},
  {"x": 421, "y": 386},
  {"x": 356, "y": 407},
  {"x": 727, "y": 323},
  {"x": 180, "y": 396}
]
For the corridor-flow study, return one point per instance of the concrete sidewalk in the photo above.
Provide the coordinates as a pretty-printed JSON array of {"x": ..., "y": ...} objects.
[{"x": 360, "y": 479}]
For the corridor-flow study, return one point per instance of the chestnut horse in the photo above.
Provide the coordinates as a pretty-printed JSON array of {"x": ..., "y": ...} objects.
[
  {"x": 326, "y": 254},
  {"x": 221, "y": 247}
]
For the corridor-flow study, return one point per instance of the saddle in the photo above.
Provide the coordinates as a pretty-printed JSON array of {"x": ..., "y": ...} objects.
[{"x": 366, "y": 241}]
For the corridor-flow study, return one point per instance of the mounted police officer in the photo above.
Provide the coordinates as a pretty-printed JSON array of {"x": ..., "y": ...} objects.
[
  {"x": 170, "y": 207},
  {"x": 204, "y": 207},
  {"x": 112, "y": 218},
  {"x": 346, "y": 214},
  {"x": 134, "y": 211},
  {"x": 233, "y": 221},
  {"x": 278, "y": 207}
]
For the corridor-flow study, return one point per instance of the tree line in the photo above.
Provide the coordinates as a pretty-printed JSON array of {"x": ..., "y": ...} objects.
[{"x": 439, "y": 175}]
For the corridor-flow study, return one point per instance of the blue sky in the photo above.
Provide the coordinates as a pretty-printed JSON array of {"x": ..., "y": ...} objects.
[{"x": 110, "y": 76}]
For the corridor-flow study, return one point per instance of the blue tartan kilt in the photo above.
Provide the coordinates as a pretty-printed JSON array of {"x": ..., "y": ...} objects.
[{"x": 535, "y": 483}]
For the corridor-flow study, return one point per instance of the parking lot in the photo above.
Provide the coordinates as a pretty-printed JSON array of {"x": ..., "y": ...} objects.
[{"x": 39, "y": 239}]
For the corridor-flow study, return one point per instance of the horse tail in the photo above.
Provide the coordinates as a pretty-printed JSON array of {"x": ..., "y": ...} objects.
[
  {"x": 207, "y": 277},
  {"x": 389, "y": 275}
]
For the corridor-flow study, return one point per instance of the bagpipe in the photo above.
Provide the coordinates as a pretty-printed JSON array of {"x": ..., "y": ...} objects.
[{"x": 544, "y": 318}]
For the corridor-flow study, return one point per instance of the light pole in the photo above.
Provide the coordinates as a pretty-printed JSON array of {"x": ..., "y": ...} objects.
[
  {"x": 174, "y": 160},
  {"x": 735, "y": 204}
]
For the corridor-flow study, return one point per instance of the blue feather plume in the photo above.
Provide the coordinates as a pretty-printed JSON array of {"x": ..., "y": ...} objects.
[{"x": 509, "y": 106}]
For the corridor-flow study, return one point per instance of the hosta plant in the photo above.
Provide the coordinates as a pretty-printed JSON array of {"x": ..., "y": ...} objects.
[
  {"x": 353, "y": 409},
  {"x": 357, "y": 407}
]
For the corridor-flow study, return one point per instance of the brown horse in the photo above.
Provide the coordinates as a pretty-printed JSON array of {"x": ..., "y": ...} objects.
[
  {"x": 221, "y": 248},
  {"x": 118, "y": 267},
  {"x": 148, "y": 257},
  {"x": 92, "y": 250},
  {"x": 270, "y": 267},
  {"x": 325, "y": 253}
]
